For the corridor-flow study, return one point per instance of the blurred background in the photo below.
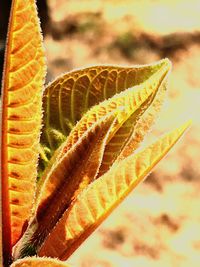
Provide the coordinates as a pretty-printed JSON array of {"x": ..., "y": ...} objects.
[{"x": 159, "y": 223}]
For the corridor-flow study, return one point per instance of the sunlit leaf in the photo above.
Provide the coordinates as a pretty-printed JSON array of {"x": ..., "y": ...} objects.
[
  {"x": 144, "y": 122},
  {"x": 95, "y": 203},
  {"x": 23, "y": 78},
  {"x": 133, "y": 102},
  {"x": 39, "y": 262},
  {"x": 94, "y": 119},
  {"x": 135, "y": 127},
  {"x": 70, "y": 96},
  {"x": 67, "y": 178}
]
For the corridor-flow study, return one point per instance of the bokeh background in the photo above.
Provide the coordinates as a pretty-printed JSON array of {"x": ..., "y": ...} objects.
[{"x": 159, "y": 223}]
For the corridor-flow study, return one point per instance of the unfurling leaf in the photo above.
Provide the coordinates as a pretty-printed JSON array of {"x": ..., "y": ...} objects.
[
  {"x": 39, "y": 262},
  {"x": 95, "y": 203},
  {"x": 23, "y": 78},
  {"x": 133, "y": 102},
  {"x": 72, "y": 95}
]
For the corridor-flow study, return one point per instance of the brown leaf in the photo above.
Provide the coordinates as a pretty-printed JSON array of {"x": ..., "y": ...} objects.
[{"x": 64, "y": 181}]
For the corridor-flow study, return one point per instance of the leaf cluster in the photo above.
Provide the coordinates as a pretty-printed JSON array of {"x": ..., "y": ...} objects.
[{"x": 68, "y": 151}]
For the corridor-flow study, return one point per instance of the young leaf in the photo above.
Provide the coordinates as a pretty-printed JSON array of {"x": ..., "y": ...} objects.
[
  {"x": 95, "y": 203},
  {"x": 39, "y": 262},
  {"x": 133, "y": 102},
  {"x": 70, "y": 96},
  {"x": 133, "y": 130},
  {"x": 66, "y": 179},
  {"x": 144, "y": 123},
  {"x": 70, "y": 203},
  {"x": 23, "y": 78}
]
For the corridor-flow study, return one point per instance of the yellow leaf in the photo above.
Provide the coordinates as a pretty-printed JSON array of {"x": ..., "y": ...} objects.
[
  {"x": 144, "y": 122},
  {"x": 39, "y": 262},
  {"x": 95, "y": 203},
  {"x": 24, "y": 72}
]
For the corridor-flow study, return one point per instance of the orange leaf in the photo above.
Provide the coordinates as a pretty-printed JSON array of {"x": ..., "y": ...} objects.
[
  {"x": 95, "y": 203},
  {"x": 39, "y": 262},
  {"x": 24, "y": 72}
]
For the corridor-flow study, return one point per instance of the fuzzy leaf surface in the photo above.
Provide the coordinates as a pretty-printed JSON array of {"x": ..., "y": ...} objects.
[
  {"x": 23, "y": 79},
  {"x": 139, "y": 118},
  {"x": 132, "y": 102},
  {"x": 65, "y": 180},
  {"x": 39, "y": 262},
  {"x": 70, "y": 96},
  {"x": 95, "y": 203},
  {"x": 144, "y": 122}
]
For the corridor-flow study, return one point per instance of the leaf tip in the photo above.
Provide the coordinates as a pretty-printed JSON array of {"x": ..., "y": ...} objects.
[{"x": 186, "y": 125}]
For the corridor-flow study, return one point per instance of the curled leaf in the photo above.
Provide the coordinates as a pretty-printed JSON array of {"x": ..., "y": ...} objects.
[{"x": 95, "y": 203}]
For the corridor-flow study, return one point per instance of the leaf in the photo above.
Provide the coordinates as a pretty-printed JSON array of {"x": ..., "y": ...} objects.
[
  {"x": 132, "y": 132},
  {"x": 23, "y": 78},
  {"x": 95, "y": 203},
  {"x": 131, "y": 104},
  {"x": 65, "y": 180},
  {"x": 144, "y": 123},
  {"x": 39, "y": 262},
  {"x": 72, "y": 95}
]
